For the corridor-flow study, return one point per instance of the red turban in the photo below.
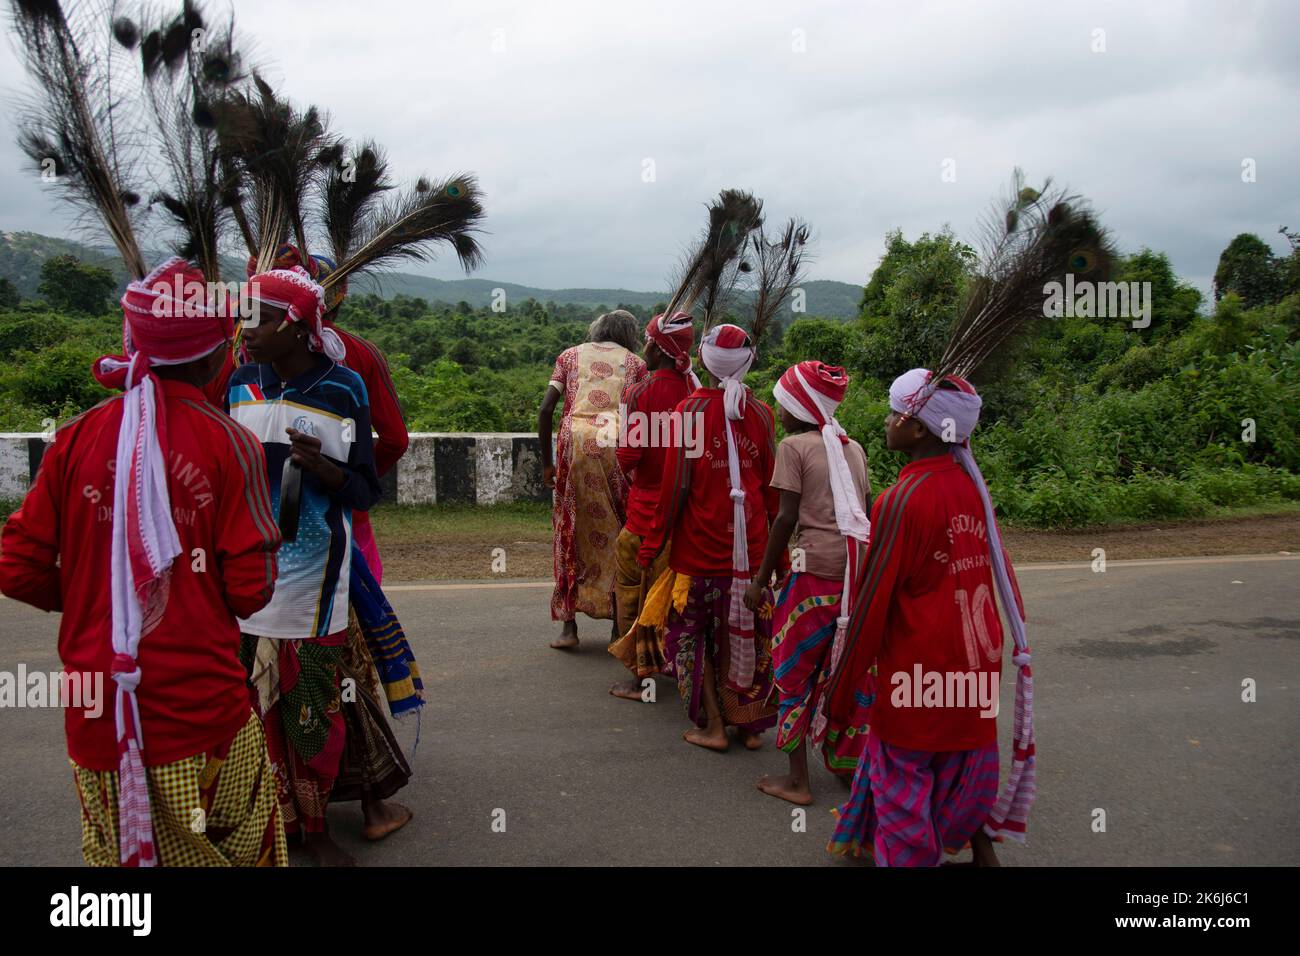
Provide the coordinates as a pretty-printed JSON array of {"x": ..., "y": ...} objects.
[
  {"x": 318, "y": 267},
  {"x": 167, "y": 316},
  {"x": 303, "y": 300},
  {"x": 674, "y": 336}
]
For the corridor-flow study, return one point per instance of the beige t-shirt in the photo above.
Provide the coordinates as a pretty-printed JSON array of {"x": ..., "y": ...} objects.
[{"x": 801, "y": 466}]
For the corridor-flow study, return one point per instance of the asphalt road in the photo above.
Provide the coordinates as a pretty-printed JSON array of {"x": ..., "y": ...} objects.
[{"x": 1139, "y": 712}]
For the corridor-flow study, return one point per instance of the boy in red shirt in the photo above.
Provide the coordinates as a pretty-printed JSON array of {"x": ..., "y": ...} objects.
[
  {"x": 159, "y": 507},
  {"x": 716, "y": 508},
  {"x": 646, "y": 420},
  {"x": 925, "y": 615}
]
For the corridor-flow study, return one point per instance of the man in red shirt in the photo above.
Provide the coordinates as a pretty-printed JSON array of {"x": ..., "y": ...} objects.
[
  {"x": 925, "y": 616},
  {"x": 716, "y": 508},
  {"x": 158, "y": 505},
  {"x": 646, "y": 434}
]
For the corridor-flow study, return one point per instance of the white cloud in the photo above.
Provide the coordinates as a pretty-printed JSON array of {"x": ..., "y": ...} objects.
[{"x": 849, "y": 134}]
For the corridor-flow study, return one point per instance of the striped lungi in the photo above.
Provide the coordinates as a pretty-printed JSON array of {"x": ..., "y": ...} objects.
[{"x": 909, "y": 807}]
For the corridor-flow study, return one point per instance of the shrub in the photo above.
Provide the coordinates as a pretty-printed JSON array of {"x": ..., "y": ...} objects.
[{"x": 1146, "y": 496}]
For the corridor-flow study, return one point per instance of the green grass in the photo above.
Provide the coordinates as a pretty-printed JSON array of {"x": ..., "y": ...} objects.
[
  {"x": 1264, "y": 509},
  {"x": 524, "y": 519}
]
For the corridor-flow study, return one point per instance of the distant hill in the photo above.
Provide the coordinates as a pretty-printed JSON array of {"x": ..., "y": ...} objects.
[{"x": 22, "y": 253}]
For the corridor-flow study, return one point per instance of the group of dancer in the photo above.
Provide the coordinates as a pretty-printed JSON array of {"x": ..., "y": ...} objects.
[
  {"x": 205, "y": 532},
  {"x": 822, "y": 641},
  {"x": 249, "y": 669}
]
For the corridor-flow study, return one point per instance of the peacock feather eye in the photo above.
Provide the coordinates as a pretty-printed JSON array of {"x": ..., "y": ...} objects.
[
  {"x": 1082, "y": 260},
  {"x": 126, "y": 32},
  {"x": 454, "y": 190}
]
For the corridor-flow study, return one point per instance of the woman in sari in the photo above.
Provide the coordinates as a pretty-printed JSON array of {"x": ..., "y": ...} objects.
[{"x": 590, "y": 490}]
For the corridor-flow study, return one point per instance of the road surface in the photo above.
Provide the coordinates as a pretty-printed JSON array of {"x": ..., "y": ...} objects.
[{"x": 1139, "y": 681}]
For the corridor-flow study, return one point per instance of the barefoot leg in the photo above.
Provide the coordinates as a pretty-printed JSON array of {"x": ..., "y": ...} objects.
[
  {"x": 568, "y": 638},
  {"x": 382, "y": 817},
  {"x": 629, "y": 688},
  {"x": 751, "y": 741},
  {"x": 713, "y": 736},
  {"x": 794, "y": 786}
]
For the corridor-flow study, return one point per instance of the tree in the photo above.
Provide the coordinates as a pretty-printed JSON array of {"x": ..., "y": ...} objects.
[
  {"x": 1174, "y": 303},
  {"x": 465, "y": 353},
  {"x": 1289, "y": 268},
  {"x": 70, "y": 285},
  {"x": 820, "y": 339},
  {"x": 1247, "y": 268},
  {"x": 9, "y": 295},
  {"x": 911, "y": 301}
]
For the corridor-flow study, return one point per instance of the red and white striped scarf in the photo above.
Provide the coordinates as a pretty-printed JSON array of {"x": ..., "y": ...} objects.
[{"x": 728, "y": 354}]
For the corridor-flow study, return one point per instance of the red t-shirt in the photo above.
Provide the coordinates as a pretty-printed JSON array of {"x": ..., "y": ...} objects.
[
  {"x": 192, "y": 692},
  {"x": 925, "y": 612},
  {"x": 647, "y": 405},
  {"x": 385, "y": 412},
  {"x": 695, "y": 494}
]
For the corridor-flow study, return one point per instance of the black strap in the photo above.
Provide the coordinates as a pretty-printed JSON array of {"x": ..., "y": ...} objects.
[{"x": 290, "y": 499}]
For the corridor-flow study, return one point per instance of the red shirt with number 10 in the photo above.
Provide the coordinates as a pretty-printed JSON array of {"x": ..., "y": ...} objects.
[{"x": 925, "y": 612}]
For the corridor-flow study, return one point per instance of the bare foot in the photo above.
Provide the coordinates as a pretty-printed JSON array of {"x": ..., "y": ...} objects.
[
  {"x": 383, "y": 818},
  {"x": 628, "y": 689},
  {"x": 713, "y": 737},
  {"x": 751, "y": 741},
  {"x": 981, "y": 847},
  {"x": 788, "y": 788},
  {"x": 326, "y": 852},
  {"x": 568, "y": 638}
]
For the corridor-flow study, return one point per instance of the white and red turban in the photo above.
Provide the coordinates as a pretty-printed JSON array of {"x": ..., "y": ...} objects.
[
  {"x": 951, "y": 414},
  {"x": 728, "y": 353},
  {"x": 318, "y": 267},
  {"x": 675, "y": 335},
  {"x": 811, "y": 392},
  {"x": 167, "y": 319},
  {"x": 303, "y": 300}
]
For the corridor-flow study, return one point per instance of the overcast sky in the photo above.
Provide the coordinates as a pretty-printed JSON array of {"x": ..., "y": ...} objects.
[{"x": 842, "y": 113}]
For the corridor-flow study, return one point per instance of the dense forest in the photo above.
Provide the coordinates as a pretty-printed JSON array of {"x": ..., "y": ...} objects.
[{"x": 1086, "y": 419}]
